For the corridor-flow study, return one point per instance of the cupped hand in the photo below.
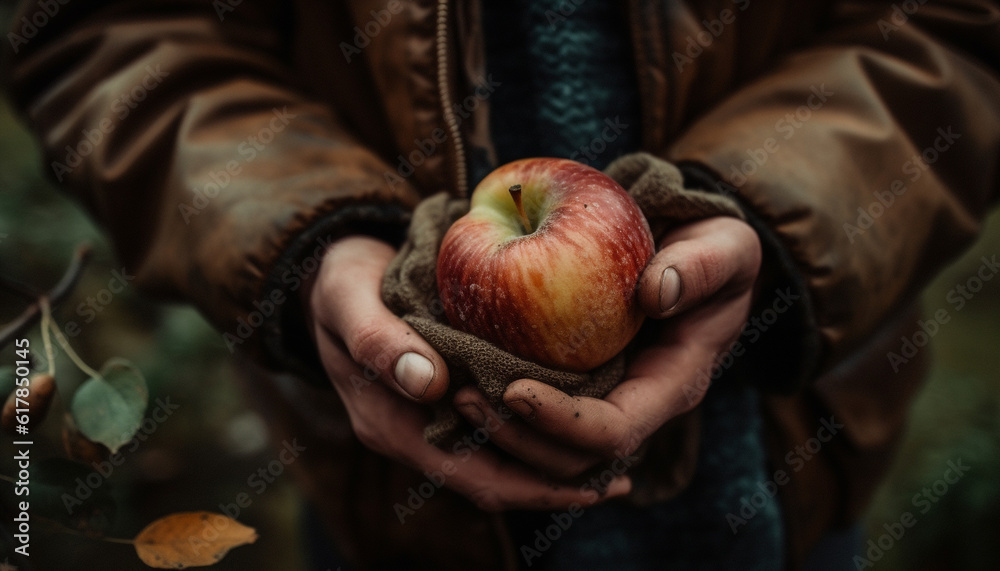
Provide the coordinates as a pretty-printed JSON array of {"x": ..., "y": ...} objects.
[
  {"x": 382, "y": 370},
  {"x": 701, "y": 284}
]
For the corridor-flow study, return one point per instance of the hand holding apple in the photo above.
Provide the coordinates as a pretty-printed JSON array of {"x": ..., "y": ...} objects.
[
  {"x": 716, "y": 262},
  {"x": 545, "y": 264},
  {"x": 355, "y": 333}
]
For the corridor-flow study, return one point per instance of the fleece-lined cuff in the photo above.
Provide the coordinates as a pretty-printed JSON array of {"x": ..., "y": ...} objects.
[
  {"x": 781, "y": 338},
  {"x": 287, "y": 343}
]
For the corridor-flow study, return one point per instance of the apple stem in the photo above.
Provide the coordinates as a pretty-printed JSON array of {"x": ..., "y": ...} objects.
[{"x": 515, "y": 193}]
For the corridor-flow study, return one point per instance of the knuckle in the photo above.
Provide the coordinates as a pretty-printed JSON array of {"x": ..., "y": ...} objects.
[
  {"x": 708, "y": 272},
  {"x": 370, "y": 345}
]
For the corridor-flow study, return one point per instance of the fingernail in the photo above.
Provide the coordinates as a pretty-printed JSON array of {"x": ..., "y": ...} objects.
[
  {"x": 414, "y": 373},
  {"x": 522, "y": 408},
  {"x": 473, "y": 414},
  {"x": 670, "y": 289}
]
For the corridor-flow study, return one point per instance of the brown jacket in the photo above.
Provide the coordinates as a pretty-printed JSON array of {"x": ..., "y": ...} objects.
[{"x": 222, "y": 144}]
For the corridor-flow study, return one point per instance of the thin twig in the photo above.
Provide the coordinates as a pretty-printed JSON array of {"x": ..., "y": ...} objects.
[
  {"x": 56, "y": 295},
  {"x": 63, "y": 529},
  {"x": 46, "y": 340},
  {"x": 68, "y": 349}
]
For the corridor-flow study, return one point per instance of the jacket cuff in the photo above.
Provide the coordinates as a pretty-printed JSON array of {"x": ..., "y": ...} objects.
[
  {"x": 287, "y": 344},
  {"x": 780, "y": 343}
]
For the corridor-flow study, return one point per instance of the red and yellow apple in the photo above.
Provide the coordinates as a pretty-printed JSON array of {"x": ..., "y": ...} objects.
[{"x": 545, "y": 264}]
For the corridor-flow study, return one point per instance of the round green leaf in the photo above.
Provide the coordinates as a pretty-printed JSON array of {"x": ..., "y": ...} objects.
[{"x": 109, "y": 409}]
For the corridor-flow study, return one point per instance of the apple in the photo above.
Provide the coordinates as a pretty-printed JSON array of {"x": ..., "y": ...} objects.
[{"x": 545, "y": 264}]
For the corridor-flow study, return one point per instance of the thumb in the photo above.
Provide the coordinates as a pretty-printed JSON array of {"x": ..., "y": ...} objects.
[
  {"x": 698, "y": 261},
  {"x": 346, "y": 301}
]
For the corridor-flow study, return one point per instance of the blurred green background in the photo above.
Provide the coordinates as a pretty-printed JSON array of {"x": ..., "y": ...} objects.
[{"x": 203, "y": 454}]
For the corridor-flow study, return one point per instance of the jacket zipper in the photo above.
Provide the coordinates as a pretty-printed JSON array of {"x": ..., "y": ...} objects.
[{"x": 461, "y": 179}]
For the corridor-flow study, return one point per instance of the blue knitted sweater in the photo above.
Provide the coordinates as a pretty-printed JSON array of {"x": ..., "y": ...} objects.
[
  {"x": 566, "y": 77},
  {"x": 568, "y": 89}
]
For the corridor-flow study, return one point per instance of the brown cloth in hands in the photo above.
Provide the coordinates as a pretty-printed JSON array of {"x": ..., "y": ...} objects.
[{"x": 409, "y": 289}]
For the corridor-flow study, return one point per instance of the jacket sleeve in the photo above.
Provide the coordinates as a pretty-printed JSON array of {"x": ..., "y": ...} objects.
[
  {"x": 184, "y": 134},
  {"x": 868, "y": 158}
]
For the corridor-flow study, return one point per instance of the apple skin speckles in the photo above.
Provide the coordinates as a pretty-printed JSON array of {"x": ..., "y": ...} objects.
[{"x": 562, "y": 296}]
